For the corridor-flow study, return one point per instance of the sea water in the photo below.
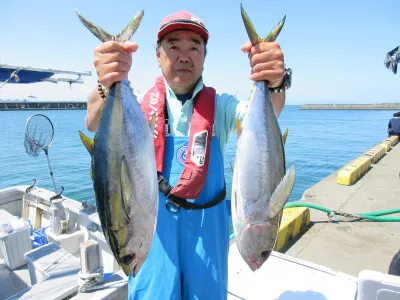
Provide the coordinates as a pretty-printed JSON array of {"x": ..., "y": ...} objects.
[{"x": 319, "y": 143}]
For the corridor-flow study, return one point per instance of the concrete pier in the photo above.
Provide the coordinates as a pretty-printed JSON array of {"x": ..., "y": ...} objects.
[{"x": 351, "y": 246}]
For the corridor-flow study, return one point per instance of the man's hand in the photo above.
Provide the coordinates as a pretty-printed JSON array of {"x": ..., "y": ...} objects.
[
  {"x": 113, "y": 61},
  {"x": 266, "y": 61}
]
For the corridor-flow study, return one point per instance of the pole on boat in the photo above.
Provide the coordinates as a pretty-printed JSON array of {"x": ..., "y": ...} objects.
[{"x": 51, "y": 171}]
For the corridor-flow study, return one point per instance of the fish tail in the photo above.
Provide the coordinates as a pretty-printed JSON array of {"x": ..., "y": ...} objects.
[
  {"x": 251, "y": 30},
  {"x": 252, "y": 33},
  {"x": 127, "y": 33},
  {"x": 103, "y": 36},
  {"x": 271, "y": 37}
]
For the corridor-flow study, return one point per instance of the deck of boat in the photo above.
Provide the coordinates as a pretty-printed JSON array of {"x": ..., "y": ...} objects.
[{"x": 13, "y": 282}]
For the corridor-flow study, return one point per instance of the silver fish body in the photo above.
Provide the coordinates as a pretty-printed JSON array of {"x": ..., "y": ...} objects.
[
  {"x": 259, "y": 169},
  {"x": 125, "y": 178},
  {"x": 124, "y": 170},
  {"x": 260, "y": 187}
]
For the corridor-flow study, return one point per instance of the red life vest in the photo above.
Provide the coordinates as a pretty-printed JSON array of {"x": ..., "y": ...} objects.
[{"x": 195, "y": 168}]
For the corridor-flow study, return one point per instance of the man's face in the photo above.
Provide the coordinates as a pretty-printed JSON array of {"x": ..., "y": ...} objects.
[{"x": 181, "y": 58}]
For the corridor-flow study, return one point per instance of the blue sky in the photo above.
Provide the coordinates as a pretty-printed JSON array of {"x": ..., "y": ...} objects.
[{"x": 335, "y": 48}]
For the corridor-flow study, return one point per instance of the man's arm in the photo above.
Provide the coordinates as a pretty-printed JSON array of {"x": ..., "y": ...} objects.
[{"x": 94, "y": 110}]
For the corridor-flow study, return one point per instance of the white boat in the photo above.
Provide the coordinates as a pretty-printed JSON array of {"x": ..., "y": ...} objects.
[
  {"x": 53, "y": 248},
  {"x": 52, "y": 270}
]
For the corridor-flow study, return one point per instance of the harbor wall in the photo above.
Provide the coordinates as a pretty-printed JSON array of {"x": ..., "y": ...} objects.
[
  {"x": 43, "y": 105},
  {"x": 379, "y": 106}
]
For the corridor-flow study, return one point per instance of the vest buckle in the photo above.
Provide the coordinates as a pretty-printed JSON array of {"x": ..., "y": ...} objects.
[{"x": 172, "y": 206}]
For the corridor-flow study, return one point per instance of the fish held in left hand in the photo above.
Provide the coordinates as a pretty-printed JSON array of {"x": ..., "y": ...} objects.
[
  {"x": 124, "y": 169},
  {"x": 260, "y": 186}
]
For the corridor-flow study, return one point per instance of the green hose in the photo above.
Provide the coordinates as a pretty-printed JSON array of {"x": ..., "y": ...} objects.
[
  {"x": 372, "y": 216},
  {"x": 383, "y": 212}
]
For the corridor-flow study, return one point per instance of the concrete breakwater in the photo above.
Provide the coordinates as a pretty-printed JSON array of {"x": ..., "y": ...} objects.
[
  {"x": 346, "y": 243},
  {"x": 379, "y": 106},
  {"x": 43, "y": 105}
]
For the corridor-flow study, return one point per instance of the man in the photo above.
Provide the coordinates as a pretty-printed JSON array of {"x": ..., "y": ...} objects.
[
  {"x": 189, "y": 254},
  {"x": 394, "y": 125}
]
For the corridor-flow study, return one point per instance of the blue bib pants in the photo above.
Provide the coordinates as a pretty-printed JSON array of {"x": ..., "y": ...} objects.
[{"x": 189, "y": 254}]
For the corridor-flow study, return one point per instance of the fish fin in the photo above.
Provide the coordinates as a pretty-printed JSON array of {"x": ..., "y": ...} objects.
[
  {"x": 126, "y": 188},
  {"x": 152, "y": 123},
  {"x": 252, "y": 91},
  {"x": 130, "y": 29},
  {"x": 238, "y": 127},
  {"x": 88, "y": 142},
  {"x": 282, "y": 192},
  {"x": 271, "y": 37},
  {"x": 284, "y": 136},
  {"x": 103, "y": 36},
  {"x": 252, "y": 33},
  {"x": 96, "y": 30}
]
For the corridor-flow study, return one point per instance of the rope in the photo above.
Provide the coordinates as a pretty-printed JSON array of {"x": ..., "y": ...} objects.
[
  {"x": 105, "y": 285},
  {"x": 94, "y": 281},
  {"x": 13, "y": 75},
  {"x": 87, "y": 281}
]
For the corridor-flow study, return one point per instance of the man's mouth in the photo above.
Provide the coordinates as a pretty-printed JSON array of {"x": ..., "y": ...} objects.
[{"x": 184, "y": 70}]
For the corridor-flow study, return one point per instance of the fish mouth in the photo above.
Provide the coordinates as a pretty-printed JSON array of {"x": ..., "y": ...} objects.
[
  {"x": 137, "y": 268},
  {"x": 254, "y": 267},
  {"x": 255, "y": 263},
  {"x": 266, "y": 254}
]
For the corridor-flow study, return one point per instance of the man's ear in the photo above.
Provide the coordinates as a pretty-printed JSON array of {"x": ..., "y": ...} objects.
[{"x": 158, "y": 57}]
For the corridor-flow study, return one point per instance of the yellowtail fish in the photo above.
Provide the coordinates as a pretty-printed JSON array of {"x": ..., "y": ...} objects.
[
  {"x": 260, "y": 187},
  {"x": 124, "y": 168}
]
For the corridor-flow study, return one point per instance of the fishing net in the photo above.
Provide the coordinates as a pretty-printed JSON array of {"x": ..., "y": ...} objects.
[{"x": 39, "y": 134}]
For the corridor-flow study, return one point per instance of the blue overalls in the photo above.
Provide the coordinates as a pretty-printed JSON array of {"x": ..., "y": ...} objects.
[{"x": 189, "y": 254}]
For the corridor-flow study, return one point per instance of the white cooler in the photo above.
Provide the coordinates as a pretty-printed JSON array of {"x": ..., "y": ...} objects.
[
  {"x": 14, "y": 245},
  {"x": 49, "y": 261}
]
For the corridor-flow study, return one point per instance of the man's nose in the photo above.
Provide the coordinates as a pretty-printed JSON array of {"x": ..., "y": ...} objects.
[{"x": 184, "y": 57}]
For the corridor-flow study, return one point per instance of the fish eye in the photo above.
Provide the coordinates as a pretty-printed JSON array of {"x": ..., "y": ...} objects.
[
  {"x": 265, "y": 254},
  {"x": 127, "y": 259}
]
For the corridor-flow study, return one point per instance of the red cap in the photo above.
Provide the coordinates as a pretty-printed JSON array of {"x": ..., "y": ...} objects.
[{"x": 182, "y": 20}]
